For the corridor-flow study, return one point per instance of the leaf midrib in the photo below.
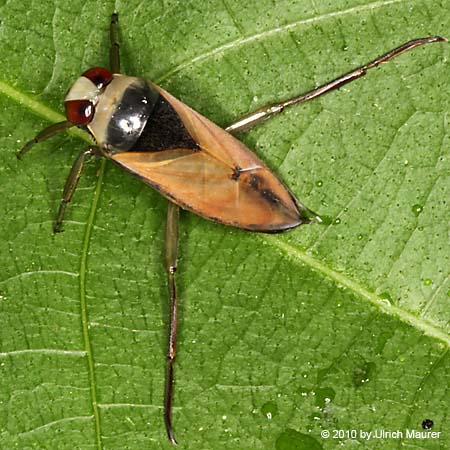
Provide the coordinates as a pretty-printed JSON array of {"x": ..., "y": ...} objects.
[
  {"x": 83, "y": 301},
  {"x": 302, "y": 257}
]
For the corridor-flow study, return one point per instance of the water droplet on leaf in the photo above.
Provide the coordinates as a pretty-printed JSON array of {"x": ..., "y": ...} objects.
[
  {"x": 363, "y": 374},
  {"x": 324, "y": 396},
  {"x": 386, "y": 298},
  {"x": 269, "y": 409}
]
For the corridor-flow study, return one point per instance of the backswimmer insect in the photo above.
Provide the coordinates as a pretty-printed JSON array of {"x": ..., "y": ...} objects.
[{"x": 195, "y": 164}]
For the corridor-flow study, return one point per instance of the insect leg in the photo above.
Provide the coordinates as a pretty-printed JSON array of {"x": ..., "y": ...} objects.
[
  {"x": 71, "y": 184},
  {"x": 114, "y": 55},
  {"x": 268, "y": 111},
  {"x": 44, "y": 135},
  {"x": 171, "y": 267}
]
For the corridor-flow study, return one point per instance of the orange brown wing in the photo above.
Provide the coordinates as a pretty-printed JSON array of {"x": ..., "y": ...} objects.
[{"x": 223, "y": 181}]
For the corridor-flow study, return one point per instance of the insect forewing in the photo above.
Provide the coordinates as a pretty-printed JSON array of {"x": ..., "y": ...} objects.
[{"x": 221, "y": 180}]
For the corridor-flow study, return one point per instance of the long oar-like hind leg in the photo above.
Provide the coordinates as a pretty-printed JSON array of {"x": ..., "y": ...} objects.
[
  {"x": 266, "y": 112},
  {"x": 171, "y": 255},
  {"x": 171, "y": 267}
]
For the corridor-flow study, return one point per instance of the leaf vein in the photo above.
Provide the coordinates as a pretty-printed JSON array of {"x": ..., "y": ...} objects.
[
  {"x": 273, "y": 31},
  {"x": 129, "y": 405},
  {"x": 361, "y": 190},
  {"x": 44, "y": 351},
  {"x": 55, "y": 422},
  {"x": 39, "y": 272}
]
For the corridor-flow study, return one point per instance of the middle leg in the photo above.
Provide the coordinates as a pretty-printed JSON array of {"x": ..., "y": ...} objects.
[{"x": 71, "y": 184}]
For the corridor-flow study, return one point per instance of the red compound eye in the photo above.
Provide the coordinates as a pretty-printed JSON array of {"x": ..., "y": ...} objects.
[
  {"x": 99, "y": 76},
  {"x": 79, "y": 112}
]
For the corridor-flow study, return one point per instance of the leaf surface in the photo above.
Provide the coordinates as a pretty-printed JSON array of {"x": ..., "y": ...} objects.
[{"x": 339, "y": 326}]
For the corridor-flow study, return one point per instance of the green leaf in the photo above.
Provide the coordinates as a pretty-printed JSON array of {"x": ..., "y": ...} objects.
[{"x": 342, "y": 326}]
